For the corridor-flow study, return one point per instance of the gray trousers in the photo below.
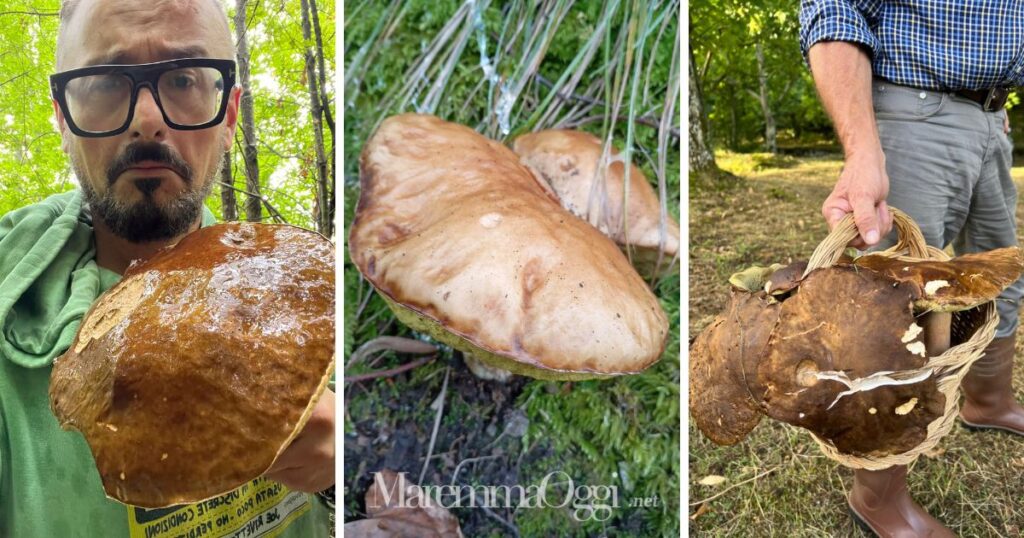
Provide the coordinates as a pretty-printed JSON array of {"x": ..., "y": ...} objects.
[{"x": 949, "y": 168}]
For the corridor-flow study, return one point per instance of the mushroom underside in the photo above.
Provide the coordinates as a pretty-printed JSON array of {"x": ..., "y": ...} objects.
[{"x": 431, "y": 327}]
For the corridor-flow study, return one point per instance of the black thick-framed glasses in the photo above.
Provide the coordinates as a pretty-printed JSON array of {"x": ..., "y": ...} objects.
[{"x": 191, "y": 93}]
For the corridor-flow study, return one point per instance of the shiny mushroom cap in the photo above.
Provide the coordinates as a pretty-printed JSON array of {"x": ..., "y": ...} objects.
[
  {"x": 217, "y": 347},
  {"x": 568, "y": 161},
  {"x": 464, "y": 244}
]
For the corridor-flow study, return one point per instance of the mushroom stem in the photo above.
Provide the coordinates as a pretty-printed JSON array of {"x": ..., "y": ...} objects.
[
  {"x": 485, "y": 371},
  {"x": 936, "y": 332}
]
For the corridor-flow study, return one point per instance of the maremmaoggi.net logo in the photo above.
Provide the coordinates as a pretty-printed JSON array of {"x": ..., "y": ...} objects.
[{"x": 556, "y": 490}]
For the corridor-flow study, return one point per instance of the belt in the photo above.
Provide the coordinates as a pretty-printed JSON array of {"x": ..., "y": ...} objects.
[{"x": 990, "y": 100}]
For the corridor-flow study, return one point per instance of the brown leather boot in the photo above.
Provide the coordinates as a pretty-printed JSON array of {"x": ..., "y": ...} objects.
[
  {"x": 988, "y": 390},
  {"x": 881, "y": 504}
]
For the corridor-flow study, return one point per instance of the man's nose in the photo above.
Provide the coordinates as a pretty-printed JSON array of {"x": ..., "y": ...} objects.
[{"x": 148, "y": 121}]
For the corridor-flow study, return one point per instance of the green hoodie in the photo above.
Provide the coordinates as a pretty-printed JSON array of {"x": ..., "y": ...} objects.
[{"x": 49, "y": 485}]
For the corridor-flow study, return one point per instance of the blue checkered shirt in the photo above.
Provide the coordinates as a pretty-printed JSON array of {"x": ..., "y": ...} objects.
[{"x": 936, "y": 45}]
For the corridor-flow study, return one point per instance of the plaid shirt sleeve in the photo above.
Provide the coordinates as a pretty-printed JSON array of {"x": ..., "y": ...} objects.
[{"x": 833, "y": 20}]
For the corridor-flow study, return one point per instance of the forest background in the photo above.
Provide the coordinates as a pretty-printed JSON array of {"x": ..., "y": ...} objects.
[{"x": 281, "y": 167}]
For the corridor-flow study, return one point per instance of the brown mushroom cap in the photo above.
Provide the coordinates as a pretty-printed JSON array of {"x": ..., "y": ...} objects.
[
  {"x": 945, "y": 286},
  {"x": 465, "y": 244},
  {"x": 724, "y": 392},
  {"x": 845, "y": 354},
  {"x": 568, "y": 161},
  {"x": 217, "y": 347},
  {"x": 851, "y": 325}
]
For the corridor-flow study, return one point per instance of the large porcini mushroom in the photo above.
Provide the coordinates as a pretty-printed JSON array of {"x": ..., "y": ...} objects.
[
  {"x": 465, "y": 245},
  {"x": 190, "y": 376},
  {"x": 724, "y": 395},
  {"x": 847, "y": 351},
  {"x": 569, "y": 162}
]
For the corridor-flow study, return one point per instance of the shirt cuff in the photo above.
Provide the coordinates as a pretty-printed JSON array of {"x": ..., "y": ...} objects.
[{"x": 833, "y": 20}]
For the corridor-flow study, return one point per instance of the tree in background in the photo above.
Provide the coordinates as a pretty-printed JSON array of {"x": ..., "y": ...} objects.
[
  {"x": 754, "y": 83},
  {"x": 702, "y": 158},
  {"x": 246, "y": 117}
]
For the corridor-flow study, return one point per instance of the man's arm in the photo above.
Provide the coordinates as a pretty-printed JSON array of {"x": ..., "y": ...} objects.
[{"x": 842, "y": 74}]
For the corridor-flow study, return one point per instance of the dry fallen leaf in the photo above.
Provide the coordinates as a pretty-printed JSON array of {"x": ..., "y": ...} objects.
[
  {"x": 712, "y": 480},
  {"x": 702, "y": 508},
  {"x": 419, "y": 518}
]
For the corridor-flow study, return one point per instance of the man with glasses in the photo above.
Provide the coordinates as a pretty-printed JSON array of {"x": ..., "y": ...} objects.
[{"x": 146, "y": 103}]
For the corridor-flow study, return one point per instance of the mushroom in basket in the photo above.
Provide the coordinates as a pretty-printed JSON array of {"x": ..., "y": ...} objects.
[{"x": 854, "y": 352}]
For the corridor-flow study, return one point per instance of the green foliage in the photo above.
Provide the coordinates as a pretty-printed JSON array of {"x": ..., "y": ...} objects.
[
  {"x": 723, "y": 34},
  {"x": 622, "y": 432},
  {"x": 284, "y": 128},
  {"x": 32, "y": 165}
]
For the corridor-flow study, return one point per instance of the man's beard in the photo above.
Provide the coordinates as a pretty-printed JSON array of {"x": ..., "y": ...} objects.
[{"x": 146, "y": 220}]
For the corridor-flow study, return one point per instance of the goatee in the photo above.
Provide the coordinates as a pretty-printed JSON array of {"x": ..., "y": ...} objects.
[{"x": 147, "y": 220}]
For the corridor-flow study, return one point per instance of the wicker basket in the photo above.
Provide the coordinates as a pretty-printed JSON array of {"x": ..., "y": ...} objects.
[{"x": 948, "y": 368}]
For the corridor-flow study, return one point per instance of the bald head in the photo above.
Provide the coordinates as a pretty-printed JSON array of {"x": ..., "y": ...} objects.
[{"x": 199, "y": 27}]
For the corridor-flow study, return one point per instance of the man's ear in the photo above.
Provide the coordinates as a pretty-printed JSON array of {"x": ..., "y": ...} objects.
[
  {"x": 65, "y": 134},
  {"x": 231, "y": 117}
]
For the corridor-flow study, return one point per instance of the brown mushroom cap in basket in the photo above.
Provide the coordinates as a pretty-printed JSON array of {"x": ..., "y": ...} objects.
[
  {"x": 946, "y": 286},
  {"x": 724, "y": 393},
  {"x": 192, "y": 374},
  {"x": 834, "y": 363},
  {"x": 846, "y": 349},
  {"x": 465, "y": 244},
  {"x": 568, "y": 161}
]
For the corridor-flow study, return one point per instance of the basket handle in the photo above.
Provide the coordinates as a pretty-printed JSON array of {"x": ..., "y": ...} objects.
[{"x": 831, "y": 248}]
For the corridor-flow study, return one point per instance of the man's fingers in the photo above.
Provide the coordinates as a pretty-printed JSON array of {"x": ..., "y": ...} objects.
[
  {"x": 833, "y": 215},
  {"x": 866, "y": 219},
  {"x": 884, "y": 219},
  {"x": 834, "y": 209}
]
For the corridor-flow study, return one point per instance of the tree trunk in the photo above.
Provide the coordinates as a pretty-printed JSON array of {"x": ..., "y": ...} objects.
[
  {"x": 702, "y": 159},
  {"x": 247, "y": 123},
  {"x": 766, "y": 109},
  {"x": 326, "y": 104},
  {"x": 228, "y": 203},
  {"x": 734, "y": 126},
  {"x": 323, "y": 221}
]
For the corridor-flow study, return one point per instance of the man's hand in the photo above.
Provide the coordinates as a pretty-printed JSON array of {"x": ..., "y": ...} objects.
[
  {"x": 842, "y": 74},
  {"x": 308, "y": 463},
  {"x": 861, "y": 190}
]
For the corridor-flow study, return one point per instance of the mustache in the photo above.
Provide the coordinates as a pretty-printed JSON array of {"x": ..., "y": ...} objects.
[{"x": 137, "y": 152}]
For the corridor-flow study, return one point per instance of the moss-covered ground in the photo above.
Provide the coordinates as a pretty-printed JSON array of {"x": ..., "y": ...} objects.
[{"x": 622, "y": 432}]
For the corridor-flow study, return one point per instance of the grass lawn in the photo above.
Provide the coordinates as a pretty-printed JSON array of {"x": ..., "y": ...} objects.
[{"x": 777, "y": 483}]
